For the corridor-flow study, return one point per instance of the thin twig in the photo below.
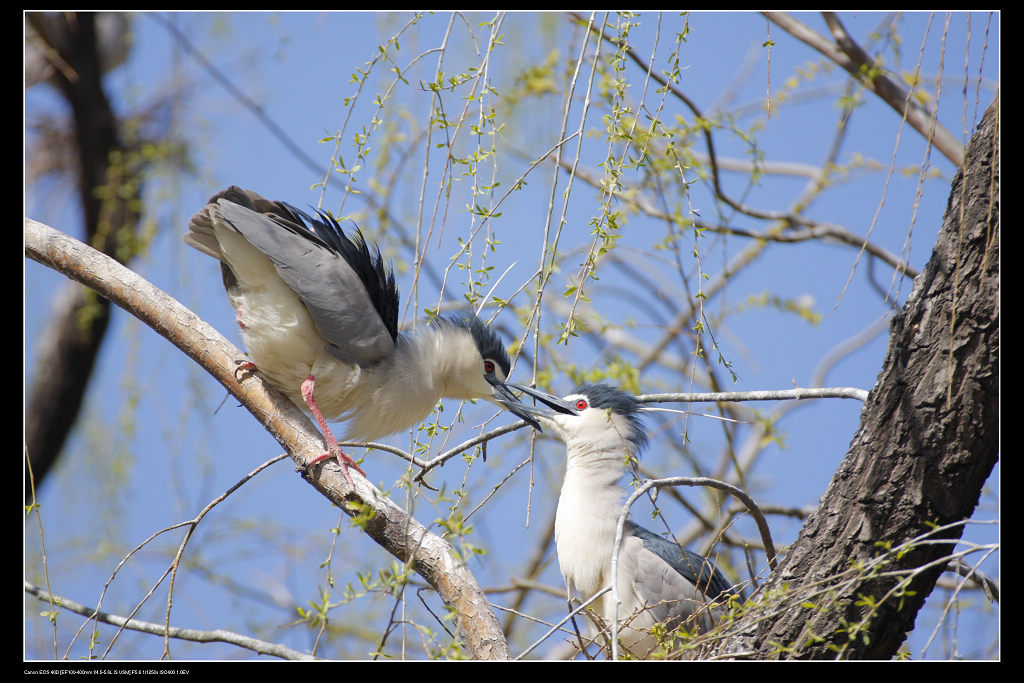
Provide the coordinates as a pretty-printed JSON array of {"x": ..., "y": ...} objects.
[{"x": 195, "y": 635}]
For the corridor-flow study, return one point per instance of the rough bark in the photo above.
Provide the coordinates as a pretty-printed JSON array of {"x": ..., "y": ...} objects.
[{"x": 866, "y": 560}]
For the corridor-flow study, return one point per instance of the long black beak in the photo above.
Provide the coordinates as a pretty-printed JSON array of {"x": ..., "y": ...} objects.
[
  {"x": 504, "y": 396},
  {"x": 549, "y": 405}
]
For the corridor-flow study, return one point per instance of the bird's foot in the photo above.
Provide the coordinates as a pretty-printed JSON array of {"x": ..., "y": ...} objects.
[
  {"x": 333, "y": 450},
  {"x": 343, "y": 459},
  {"x": 244, "y": 366}
]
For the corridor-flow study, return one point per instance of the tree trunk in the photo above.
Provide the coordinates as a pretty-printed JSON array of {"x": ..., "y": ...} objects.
[
  {"x": 72, "y": 340},
  {"x": 851, "y": 585}
]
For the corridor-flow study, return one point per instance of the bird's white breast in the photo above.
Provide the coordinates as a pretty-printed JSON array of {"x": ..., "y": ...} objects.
[
  {"x": 279, "y": 332},
  {"x": 588, "y": 509}
]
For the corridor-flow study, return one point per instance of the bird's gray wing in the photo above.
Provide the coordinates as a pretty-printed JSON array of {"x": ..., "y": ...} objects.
[
  {"x": 672, "y": 579},
  {"x": 309, "y": 259}
]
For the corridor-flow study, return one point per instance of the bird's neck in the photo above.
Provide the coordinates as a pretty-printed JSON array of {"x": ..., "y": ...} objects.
[
  {"x": 592, "y": 479},
  {"x": 415, "y": 365},
  {"x": 444, "y": 356},
  {"x": 401, "y": 390},
  {"x": 588, "y": 511},
  {"x": 406, "y": 386},
  {"x": 423, "y": 367}
]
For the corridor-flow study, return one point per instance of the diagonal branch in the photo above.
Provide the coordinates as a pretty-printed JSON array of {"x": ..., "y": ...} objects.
[{"x": 850, "y": 56}]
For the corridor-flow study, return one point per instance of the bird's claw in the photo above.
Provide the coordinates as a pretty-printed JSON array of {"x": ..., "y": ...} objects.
[
  {"x": 245, "y": 366},
  {"x": 343, "y": 459}
]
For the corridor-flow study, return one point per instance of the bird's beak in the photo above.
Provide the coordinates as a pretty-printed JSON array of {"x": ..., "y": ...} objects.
[
  {"x": 510, "y": 402},
  {"x": 549, "y": 406}
]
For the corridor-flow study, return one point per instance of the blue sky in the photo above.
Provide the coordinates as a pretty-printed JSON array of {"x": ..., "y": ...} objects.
[{"x": 152, "y": 447}]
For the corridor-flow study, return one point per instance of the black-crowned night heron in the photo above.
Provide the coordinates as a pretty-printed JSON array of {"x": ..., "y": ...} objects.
[
  {"x": 319, "y": 311},
  {"x": 658, "y": 581}
]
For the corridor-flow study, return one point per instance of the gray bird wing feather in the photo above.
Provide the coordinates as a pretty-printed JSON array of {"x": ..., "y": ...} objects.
[
  {"x": 670, "y": 572},
  {"x": 332, "y": 292},
  {"x": 200, "y": 234},
  {"x": 660, "y": 591}
]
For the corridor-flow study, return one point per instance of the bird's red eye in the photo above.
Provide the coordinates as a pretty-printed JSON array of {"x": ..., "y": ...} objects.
[
  {"x": 581, "y": 404},
  {"x": 488, "y": 366}
]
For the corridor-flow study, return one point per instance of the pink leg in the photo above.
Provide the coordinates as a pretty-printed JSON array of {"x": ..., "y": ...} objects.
[{"x": 333, "y": 451}]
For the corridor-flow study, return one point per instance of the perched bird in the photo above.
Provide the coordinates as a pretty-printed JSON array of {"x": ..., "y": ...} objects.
[
  {"x": 319, "y": 315},
  {"x": 658, "y": 581}
]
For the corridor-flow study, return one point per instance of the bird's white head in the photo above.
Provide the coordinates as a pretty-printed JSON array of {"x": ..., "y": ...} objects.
[
  {"x": 471, "y": 362},
  {"x": 593, "y": 418}
]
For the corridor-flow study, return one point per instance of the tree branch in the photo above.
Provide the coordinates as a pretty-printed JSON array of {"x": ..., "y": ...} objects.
[
  {"x": 195, "y": 635},
  {"x": 850, "y": 56},
  {"x": 763, "y": 395}
]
